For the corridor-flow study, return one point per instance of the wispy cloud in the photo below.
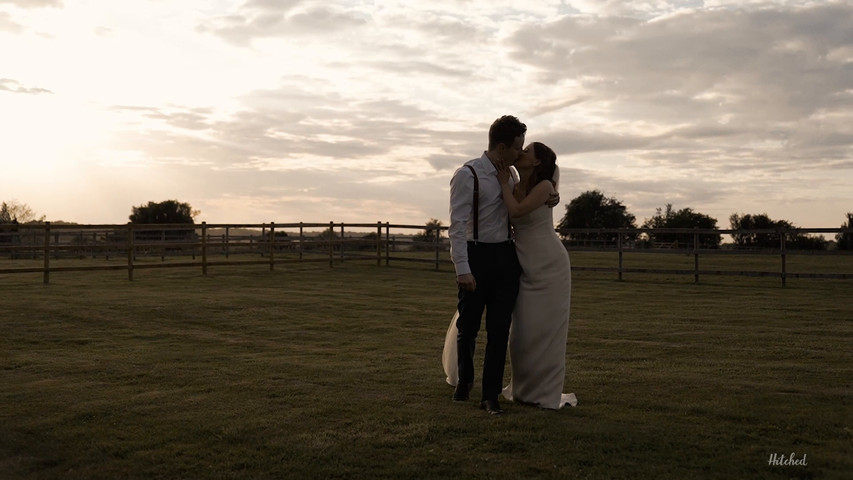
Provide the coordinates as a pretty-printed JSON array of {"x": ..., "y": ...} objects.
[
  {"x": 7, "y": 24},
  {"x": 34, "y": 3},
  {"x": 265, "y": 19},
  {"x": 10, "y": 85}
]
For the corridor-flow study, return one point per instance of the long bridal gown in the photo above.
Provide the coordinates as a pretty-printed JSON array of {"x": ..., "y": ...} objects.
[{"x": 540, "y": 321}]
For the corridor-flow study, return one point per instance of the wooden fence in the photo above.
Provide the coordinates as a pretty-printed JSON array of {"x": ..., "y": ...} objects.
[
  {"x": 202, "y": 246},
  {"x": 621, "y": 245}
]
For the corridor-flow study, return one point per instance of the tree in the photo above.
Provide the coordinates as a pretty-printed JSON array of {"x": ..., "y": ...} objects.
[
  {"x": 592, "y": 209},
  {"x": 770, "y": 239},
  {"x": 327, "y": 234},
  {"x": 8, "y": 234},
  {"x": 5, "y": 214},
  {"x": 167, "y": 212},
  {"x": 805, "y": 242},
  {"x": 684, "y": 218},
  {"x": 754, "y": 239},
  {"x": 367, "y": 242},
  {"x": 845, "y": 239},
  {"x": 14, "y": 210},
  {"x": 427, "y": 236}
]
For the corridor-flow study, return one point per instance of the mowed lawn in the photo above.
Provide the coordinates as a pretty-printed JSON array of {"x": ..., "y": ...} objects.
[{"x": 312, "y": 372}]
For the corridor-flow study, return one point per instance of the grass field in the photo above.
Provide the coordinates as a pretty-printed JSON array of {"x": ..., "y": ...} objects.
[{"x": 311, "y": 372}]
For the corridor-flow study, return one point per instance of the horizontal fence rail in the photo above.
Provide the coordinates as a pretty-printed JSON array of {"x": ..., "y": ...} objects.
[
  {"x": 47, "y": 248},
  {"x": 705, "y": 242}
]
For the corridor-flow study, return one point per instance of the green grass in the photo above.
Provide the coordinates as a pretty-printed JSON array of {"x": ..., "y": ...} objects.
[{"x": 311, "y": 372}]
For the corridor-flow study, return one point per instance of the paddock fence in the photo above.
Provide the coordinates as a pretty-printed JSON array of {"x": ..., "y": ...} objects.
[
  {"x": 781, "y": 244},
  {"x": 48, "y": 248}
]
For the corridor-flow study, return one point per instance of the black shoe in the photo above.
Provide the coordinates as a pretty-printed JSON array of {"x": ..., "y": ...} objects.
[
  {"x": 492, "y": 407},
  {"x": 462, "y": 392}
]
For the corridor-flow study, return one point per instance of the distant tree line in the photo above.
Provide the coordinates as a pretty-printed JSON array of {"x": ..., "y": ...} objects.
[
  {"x": 590, "y": 210},
  {"x": 594, "y": 210},
  {"x": 771, "y": 240}
]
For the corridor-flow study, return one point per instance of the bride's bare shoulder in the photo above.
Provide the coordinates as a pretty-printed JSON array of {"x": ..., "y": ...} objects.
[{"x": 545, "y": 185}]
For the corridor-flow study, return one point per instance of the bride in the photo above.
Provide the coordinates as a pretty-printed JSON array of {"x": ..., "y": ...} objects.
[{"x": 540, "y": 321}]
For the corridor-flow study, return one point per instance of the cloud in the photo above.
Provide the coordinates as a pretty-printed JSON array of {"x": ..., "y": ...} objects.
[
  {"x": 648, "y": 9},
  {"x": 444, "y": 161},
  {"x": 268, "y": 19},
  {"x": 300, "y": 147},
  {"x": 193, "y": 118},
  {"x": 418, "y": 67},
  {"x": 707, "y": 104},
  {"x": 9, "y": 25},
  {"x": 696, "y": 108},
  {"x": 287, "y": 128},
  {"x": 723, "y": 87},
  {"x": 9, "y": 85},
  {"x": 34, "y": 3}
]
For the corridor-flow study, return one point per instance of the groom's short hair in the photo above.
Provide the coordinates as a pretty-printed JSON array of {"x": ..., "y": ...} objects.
[{"x": 505, "y": 130}]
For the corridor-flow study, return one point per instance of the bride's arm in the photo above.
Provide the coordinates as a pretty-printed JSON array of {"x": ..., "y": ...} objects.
[{"x": 532, "y": 201}]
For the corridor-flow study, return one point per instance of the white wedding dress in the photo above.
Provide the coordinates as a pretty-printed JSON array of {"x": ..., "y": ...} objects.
[{"x": 540, "y": 321}]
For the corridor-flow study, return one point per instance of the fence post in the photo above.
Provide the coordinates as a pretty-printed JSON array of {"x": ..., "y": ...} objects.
[
  {"x": 379, "y": 244},
  {"x": 130, "y": 251},
  {"x": 301, "y": 240},
  {"x": 695, "y": 254},
  {"x": 619, "y": 244},
  {"x": 387, "y": 244},
  {"x": 204, "y": 248},
  {"x": 342, "y": 243},
  {"x": 437, "y": 241},
  {"x": 82, "y": 252},
  {"x": 272, "y": 246},
  {"x": 782, "y": 254},
  {"x": 227, "y": 240},
  {"x": 46, "y": 253},
  {"x": 331, "y": 244}
]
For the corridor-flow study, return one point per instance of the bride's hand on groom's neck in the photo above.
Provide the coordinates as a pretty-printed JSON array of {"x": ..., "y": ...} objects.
[{"x": 504, "y": 175}]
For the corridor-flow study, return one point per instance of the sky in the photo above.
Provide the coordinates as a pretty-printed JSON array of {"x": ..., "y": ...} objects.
[{"x": 283, "y": 111}]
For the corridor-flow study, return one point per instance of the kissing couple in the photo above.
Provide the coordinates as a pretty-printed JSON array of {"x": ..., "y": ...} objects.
[{"x": 510, "y": 264}]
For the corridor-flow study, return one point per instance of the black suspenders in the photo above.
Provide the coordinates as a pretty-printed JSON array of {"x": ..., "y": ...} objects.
[
  {"x": 477, "y": 208},
  {"x": 476, "y": 203}
]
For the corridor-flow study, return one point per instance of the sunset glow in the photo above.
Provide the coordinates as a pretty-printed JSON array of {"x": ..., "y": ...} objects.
[{"x": 305, "y": 110}]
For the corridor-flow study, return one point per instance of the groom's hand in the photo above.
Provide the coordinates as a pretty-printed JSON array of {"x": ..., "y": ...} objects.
[
  {"x": 553, "y": 199},
  {"x": 466, "y": 282}
]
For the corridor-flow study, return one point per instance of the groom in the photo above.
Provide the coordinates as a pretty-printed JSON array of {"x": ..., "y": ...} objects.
[{"x": 487, "y": 268}]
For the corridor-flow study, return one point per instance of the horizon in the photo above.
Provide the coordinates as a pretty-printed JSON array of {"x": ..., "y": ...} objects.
[
  {"x": 318, "y": 224},
  {"x": 396, "y": 228},
  {"x": 252, "y": 110}
]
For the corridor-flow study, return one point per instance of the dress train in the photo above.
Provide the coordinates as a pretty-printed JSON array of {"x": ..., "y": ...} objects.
[{"x": 451, "y": 368}]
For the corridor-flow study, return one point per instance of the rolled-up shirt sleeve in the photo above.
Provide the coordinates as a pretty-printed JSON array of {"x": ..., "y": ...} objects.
[{"x": 461, "y": 211}]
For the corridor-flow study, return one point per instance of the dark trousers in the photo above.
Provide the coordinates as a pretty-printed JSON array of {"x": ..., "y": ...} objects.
[{"x": 496, "y": 269}]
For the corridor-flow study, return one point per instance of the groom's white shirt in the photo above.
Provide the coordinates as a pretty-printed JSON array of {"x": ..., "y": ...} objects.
[{"x": 493, "y": 215}]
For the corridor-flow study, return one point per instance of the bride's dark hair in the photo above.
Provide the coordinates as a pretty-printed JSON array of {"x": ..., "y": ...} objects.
[{"x": 547, "y": 165}]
